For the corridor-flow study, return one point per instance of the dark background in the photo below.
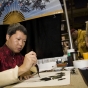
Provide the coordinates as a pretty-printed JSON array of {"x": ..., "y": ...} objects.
[{"x": 44, "y": 36}]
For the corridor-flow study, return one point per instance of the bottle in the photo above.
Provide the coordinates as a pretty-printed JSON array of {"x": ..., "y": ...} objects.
[{"x": 70, "y": 59}]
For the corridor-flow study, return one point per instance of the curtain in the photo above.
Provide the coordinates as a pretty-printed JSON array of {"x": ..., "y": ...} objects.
[
  {"x": 44, "y": 36},
  {"x": 3, "y": 30}
]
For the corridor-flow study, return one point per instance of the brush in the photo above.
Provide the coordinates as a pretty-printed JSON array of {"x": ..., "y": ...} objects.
[{"x": 37, "y": 67}]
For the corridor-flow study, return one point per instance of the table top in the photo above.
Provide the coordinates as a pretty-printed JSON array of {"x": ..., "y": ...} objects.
[{"x": 76, "y": 82}]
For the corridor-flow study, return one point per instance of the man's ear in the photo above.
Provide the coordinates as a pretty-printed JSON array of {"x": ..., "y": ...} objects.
[{"x": 7, "y": 36}]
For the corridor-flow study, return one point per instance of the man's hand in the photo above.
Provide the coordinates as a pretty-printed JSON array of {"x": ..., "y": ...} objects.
[
  {"x": 24, "y": 77},
  {"x": 30, "y": 60}
]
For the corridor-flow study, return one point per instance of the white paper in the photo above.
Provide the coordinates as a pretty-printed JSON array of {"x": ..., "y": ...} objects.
[
  {"x": 47, "y": 66},
  {"x": 35, "y": 81}
]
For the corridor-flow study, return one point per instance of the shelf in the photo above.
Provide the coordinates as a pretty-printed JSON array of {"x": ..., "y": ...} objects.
[
  {"x": 64, "y": 34},
  {"x": 65, "y": 40}
]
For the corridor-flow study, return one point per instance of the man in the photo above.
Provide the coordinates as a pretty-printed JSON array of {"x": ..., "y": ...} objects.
[
  {"x": 12, "y": 63},
  {"x": 79, "y": 40}
]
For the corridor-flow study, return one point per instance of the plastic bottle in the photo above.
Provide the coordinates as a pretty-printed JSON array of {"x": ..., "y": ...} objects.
[{"x": 70, "y": 59}]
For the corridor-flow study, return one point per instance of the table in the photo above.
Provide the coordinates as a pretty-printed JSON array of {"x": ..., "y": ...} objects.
[{"x": 76, "y": 82}]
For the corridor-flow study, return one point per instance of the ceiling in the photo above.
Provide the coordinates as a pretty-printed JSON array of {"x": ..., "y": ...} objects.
[{"x": 77, "y": 13}]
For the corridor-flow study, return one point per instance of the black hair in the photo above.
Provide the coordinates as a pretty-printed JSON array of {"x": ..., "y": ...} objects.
[{"x": 16, "y": 27}]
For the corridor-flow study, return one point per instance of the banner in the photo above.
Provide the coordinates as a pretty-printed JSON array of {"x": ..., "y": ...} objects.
[{"x": 12, "y": 11}]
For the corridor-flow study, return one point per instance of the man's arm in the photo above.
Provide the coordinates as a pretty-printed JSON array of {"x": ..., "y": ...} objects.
[{"x": 11, "y": 76}]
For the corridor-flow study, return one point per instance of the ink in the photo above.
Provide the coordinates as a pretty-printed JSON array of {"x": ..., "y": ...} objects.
[{"x": 45, "y": 79}]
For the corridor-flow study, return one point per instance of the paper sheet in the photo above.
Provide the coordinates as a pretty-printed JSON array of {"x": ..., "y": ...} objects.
[
  {"x": 47, "y": 66},
  {"x": 35, "y": 81}
]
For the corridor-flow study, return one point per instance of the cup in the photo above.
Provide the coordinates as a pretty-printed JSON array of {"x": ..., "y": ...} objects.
[{"x": 85, "y": 55}]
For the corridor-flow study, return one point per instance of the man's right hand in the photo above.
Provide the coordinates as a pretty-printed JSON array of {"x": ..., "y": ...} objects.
[{"x": 30, "y": 60}]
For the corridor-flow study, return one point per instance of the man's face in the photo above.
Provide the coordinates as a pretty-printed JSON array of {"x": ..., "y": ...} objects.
[
  {"x": 75, "y": 35},
  {"x": 16, "y": 42}
]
